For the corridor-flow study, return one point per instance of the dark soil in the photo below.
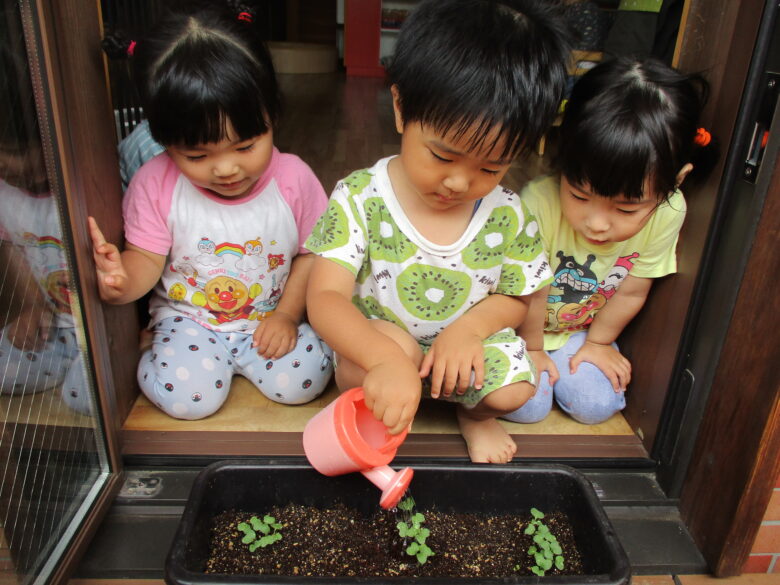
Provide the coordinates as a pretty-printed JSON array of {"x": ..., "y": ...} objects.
[{"x": 339, "y": 542}]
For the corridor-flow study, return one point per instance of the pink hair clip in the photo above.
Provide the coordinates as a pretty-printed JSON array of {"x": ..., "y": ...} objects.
[
  {"x": 131, "y": 48},
  {"x": 245, "y": 16}
]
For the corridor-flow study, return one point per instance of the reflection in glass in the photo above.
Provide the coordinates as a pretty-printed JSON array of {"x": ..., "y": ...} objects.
[{"x": 49, "y": 453}]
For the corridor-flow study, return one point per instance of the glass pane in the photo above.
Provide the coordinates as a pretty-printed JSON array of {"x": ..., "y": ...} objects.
[{"x": 51, "y": 455}]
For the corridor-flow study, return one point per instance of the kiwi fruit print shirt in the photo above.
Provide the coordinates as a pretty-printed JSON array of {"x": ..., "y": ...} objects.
[{"x": 418, "y": 285}]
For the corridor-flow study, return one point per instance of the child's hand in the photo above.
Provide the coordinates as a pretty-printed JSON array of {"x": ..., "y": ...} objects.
[
  {"x": 275, "y": 336},
  {"x": 111, "y": 275},
  {"x": 544, "y": 363},
  {"x": 450, "y": 362},
  {"x": 392, "y": 392},
  {"x": 30, "y": 330},
  {"x": 607, "y": 359}
]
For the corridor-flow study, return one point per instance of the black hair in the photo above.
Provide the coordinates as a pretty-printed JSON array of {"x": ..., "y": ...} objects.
[
  {"x": 200, "y": 69},
  {"x": 483, "y": 64},
  {"x": 627, "y": 121}
]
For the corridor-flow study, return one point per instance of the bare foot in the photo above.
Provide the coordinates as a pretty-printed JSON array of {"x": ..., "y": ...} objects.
[{"x": 486, "y": 439}]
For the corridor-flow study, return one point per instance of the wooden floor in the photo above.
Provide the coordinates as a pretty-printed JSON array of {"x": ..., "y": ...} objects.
[
  {"x": 250, "y": 424},
  {"x": 339, "y": 124}
]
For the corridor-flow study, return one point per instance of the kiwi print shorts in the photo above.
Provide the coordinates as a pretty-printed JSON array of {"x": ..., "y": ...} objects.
[{"x": 506, "y": 362}]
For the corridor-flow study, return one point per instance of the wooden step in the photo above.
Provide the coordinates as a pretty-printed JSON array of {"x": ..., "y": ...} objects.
[{"x": 250, "y": 424}]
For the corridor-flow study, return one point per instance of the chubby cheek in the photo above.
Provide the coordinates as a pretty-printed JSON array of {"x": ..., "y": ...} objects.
[
  {"x": 199, "y": 179},
  {"x": 489, "y": 182},
  {"x": 570, "y": 214},
  {"x": 193, "y": 174},
  {"x": 635, "y": 224}
]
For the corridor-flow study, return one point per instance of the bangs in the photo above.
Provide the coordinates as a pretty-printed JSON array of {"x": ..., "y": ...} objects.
[
  {"x": 610, "y": 163},
  {"x": 629, "y": 126},
  {"x": 479, "y": 133},
  {"x": 500, "y": 88},
  {"x": 615, "y": 152},
  {"x": 197, "y": 94}
]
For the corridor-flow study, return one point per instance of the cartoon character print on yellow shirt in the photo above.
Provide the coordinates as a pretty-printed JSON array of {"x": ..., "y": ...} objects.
[
  {"x": 576, "y": 295},
  {"x": 226, "y": 296}
]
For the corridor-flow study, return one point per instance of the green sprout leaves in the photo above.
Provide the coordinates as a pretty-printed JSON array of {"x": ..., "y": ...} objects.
[
  {"x": 546, "y": 552},
  {"x": 260, "y": 533},
  {"x": 414, "y": 531},
  {"x": 407, "y": 504}
]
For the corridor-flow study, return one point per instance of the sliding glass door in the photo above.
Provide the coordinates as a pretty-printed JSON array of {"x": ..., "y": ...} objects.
[{"x": 53, "y": 463}]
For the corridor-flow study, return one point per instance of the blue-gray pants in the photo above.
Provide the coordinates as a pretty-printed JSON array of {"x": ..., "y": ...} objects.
[{"x": 587, "y": 395}]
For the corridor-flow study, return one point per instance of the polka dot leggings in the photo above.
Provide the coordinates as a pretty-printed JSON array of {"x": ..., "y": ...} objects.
[
  {"x": 58, "y": 363},
  {"x": 188, "y": 369}
]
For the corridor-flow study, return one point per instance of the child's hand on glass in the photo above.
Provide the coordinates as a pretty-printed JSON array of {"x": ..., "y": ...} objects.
[
  {"x": 392, "y": 392},
  {"x": 111, "y": 275},
  {"x": 544, "y": 363},
  {"x": 606, "y": 358},
  {"x": 453, "y": 357},
  {"x": 275, "y": 336}
]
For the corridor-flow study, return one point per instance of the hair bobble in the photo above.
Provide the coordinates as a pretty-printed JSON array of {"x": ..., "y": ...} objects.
[
  {"x": 131, "y": 48},
  {"x": 703, "y": 138},
  {"x": 245, "y": 17}
]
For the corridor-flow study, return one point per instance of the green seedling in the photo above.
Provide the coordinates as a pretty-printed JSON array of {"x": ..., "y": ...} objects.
[
  {"x": 546, "y": 551},
  {"x": 414, "y": 531},
  {"x": 260, "y": 533}
]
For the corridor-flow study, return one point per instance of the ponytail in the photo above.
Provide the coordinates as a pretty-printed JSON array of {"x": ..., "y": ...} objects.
[
  {"x": 117, "y": 46},
  {"x": 704, "y": 156}
]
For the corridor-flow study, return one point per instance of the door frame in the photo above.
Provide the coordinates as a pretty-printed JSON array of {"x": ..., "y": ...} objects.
[
  {"x": 84, "y": 153},
  {"x": 734, "y": 465}
]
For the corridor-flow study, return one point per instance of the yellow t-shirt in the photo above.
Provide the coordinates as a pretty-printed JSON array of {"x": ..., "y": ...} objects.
[{"x": 587, "y": 276}]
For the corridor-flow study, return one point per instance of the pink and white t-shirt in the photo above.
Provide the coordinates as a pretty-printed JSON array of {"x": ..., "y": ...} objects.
[
  {"x": 32, "y": 222},
  {"x": 227, "y": 259}
]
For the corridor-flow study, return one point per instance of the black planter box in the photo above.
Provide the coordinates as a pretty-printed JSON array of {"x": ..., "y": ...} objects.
[{"x": 491, "y": 489}]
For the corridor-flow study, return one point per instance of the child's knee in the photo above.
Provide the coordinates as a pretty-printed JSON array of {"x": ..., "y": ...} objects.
[
  {"x": 301, "y": 375},
  {"x": 186, "y": 399},
  {"x": 194, "y": 405},
  {"x": 30, "y": 372},
  {"x": 295, "y": 381},
  {"x": 75, "y": 392},
  {"x": 510, "y": 397},
  {"x": 593, "y": 412},
  {"x": 408, "y": 344},
  {"x": 587, "y": 395},
  {"x": 537, "y": 407}
]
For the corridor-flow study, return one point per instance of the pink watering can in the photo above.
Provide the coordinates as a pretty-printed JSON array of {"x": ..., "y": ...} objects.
[{"x": 345, "y": 437}]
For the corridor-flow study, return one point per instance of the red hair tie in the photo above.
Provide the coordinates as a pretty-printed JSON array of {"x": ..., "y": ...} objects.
[
  {"x": 703, "y": 137},
  {"x": 131, "y": 48},
  {"x": 245, "y": 16}
]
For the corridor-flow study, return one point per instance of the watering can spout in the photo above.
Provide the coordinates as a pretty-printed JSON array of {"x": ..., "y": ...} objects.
[
  {"x": 344, "y": 437},
  {"x": 392, "y": 483}
]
